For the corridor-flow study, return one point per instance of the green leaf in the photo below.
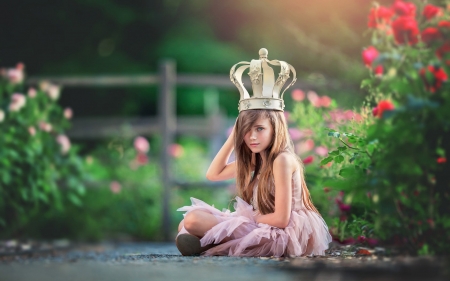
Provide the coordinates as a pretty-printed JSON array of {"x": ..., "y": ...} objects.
[
  {"x": 365, "y": 83},
  {"x": 326, "y": 160},
  {"x": 334, "y": 153},
  {"x": 339, "y": 159},
  {"x": 74, "y": 199},
  {"x": 348, "y": 172},
  {"x": 342, "y": 148}
]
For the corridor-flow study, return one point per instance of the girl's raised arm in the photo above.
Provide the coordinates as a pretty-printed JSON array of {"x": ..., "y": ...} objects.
[{"x": 220, "y": 169}]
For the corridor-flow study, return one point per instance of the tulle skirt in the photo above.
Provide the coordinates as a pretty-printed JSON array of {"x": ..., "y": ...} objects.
[{"x": 238, "y": 234}]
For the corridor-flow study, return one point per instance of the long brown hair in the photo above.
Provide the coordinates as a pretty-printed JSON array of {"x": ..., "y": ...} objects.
[{"x": 281, "y": 141}]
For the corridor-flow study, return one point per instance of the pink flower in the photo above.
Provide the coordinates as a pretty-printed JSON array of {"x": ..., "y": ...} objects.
[
  {"x": 141, "y": 145},
  {"x": 15, "y": 75},
  {"x": 176, "y": 150},
  {"x": 44, "y": 126},
  {"x": 321, "y": 151},
  {"x": 313, "y": 98},
  {"x": 32, "y": 130},
  {"x": 337, "y": 116},
  {"x": 32, "y": 92},
  {"x": 369, "y": 55},
  {"x": 17, "y": 102},
  {"x": 325, "y": 101},
  {"x": 68, "y": 113},
  {"x": 305, "y": 146},
  {"x": 308, "y": 160},
  {"x": 64, "y": 141},
  {"x": 2, "y": 115},
  {"x": 115, "y": 187},
  {"x": 295, "y": 133},
  {"x": 372, "y": 242},
  {"x": 298, "y": 95}
]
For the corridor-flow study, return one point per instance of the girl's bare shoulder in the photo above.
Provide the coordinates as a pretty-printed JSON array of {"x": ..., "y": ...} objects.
[{"x": 285, "y": 161}]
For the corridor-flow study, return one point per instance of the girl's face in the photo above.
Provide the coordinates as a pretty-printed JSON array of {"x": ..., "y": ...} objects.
[{"x": 260, "y": 135}]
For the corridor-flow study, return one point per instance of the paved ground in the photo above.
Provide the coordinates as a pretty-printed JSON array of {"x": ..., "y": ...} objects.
[{"x": 161, "y": 261}]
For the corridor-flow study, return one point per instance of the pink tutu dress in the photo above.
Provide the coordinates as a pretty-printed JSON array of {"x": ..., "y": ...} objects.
[{"x": 306, "y": 233}]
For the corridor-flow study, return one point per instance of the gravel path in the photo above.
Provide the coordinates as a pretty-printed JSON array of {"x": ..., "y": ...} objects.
[{"x": 162, "y": 261}]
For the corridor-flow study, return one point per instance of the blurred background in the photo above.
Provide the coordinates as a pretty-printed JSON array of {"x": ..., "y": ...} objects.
[{"x": 120, "y": 190}]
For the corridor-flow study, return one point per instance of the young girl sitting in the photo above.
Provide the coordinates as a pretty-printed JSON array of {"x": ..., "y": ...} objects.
[{"x": 274, "y": 214}]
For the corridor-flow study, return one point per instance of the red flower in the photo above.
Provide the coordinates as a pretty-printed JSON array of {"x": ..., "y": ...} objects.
[
  {"x": 326, "y": 189},
  {"x": 379, "y": 16},
  {"x": 443, "y": 52},
  {"x": 444, "y": 24},
  {"x": 343, "y": 217},
  {"x": 381, "y": 107},
  {"x": 439, "y": 76},
  {"x": 441, "y": 160},
  {"x": 308, "y": 160},
  {"x": 375, "y": 111},
  {"x": 379, "y": 70},
  {"x": 141, "y": 158},
  {"x": 431, "y": 11},
  {"x": 369, "y": 55},
  {"x": 431, "y": 34},
  {"x": 361, "y": 239},
  {"x": 343, "y": 207},
  {"x": 406, "y": 30},
  {"x": 404, "y": 8}
]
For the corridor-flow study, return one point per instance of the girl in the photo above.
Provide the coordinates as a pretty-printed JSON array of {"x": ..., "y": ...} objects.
[{"x": 274, "y": 213}]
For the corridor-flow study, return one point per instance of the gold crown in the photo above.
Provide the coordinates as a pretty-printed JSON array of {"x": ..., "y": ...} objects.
[{"x": 266, "y": 91}]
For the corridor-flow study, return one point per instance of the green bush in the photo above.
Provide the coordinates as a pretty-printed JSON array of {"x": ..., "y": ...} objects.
[
  {"x": 39, "y": 170},
  {"x": 401, "y": 163}
]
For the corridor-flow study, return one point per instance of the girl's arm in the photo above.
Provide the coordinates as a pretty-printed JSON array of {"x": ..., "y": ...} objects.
[
  {"x": 219, "y": 169},
  {"x": 283, "y": 168}
]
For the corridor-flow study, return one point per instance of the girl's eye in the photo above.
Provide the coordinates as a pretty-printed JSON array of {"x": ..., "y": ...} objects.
[{"x": 259, "y": 129}]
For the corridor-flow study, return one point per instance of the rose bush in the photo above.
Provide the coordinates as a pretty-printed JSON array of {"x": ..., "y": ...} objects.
[
  {"x": 396, "y": 169},
  {"x": 39, "y": 170}
]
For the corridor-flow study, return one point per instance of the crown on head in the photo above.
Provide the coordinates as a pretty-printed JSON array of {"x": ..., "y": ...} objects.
[{"x": 266, "y": 91}]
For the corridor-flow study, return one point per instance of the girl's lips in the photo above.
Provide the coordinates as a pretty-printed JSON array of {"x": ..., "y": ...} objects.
[{"x": 254, "y": 144}]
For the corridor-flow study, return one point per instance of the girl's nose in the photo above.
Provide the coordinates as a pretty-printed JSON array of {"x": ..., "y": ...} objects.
[{"x": 253, "y": 136}]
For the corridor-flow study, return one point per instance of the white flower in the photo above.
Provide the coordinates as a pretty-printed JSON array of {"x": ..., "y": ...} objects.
[
  {"x": 2, "y": 115},
  {"x": 53, "y": 92},
  {"x": 64, "y": 141},
  {"x": 68, "y": 113},
  {"x": 17, "y": 102}
]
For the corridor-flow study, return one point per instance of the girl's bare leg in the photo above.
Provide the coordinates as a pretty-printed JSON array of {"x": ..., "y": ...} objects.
[{"x": 198, "y": 222}]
